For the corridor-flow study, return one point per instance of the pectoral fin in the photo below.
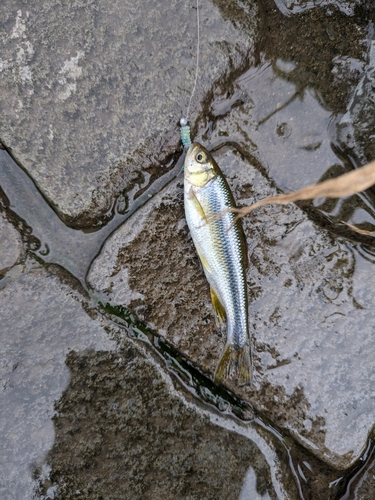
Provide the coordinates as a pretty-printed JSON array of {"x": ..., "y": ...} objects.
[
  {"x": 218, "y": 308},
  {"x": 198, "y": 207}
]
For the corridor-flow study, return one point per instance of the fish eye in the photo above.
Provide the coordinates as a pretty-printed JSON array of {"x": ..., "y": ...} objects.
[{"x": 199, "y": 157}]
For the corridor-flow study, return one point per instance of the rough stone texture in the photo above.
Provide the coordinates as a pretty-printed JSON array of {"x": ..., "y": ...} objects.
[
  {"x": 91, "y": 91},
  {"x": 83, "y": 418},
  {"x": 11, "y": 248},
  {"x": 310, "y": 310}
]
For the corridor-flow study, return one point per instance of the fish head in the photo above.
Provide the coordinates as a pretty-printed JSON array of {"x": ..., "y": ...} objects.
[{"x": 199, "y": 167}]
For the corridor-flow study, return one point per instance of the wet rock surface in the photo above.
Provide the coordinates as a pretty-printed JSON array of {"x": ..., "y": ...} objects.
[
  {"x": 348, "y": 7},
  {"x": 83, "y": 416},
  {"x": 11, "y": 248},
  {"x": 90, "y": 110},
  {"x": 364, "y": 486},
  {"x": 42, "y": 319},
  {"x": 308, "y": 295},
  {"x": 284, "y": 110},
  {"x": 89, "y": 90},
  {"x": 300, "y": 112},
  {"x": 143, "y": 442},
  {"x": 171, "y": 296}
]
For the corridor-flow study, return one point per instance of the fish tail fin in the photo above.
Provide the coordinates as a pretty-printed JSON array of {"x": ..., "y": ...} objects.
[{"x": 235, "y": 364}]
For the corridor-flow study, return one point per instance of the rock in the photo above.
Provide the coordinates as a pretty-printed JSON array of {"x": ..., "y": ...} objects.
[
  {"x": 91, "y": 93},
  {"x": 86, "y": 413},
  {"x": 44, "y": 235},
  {"x": 310, "y": 310},
  {"x": 285, "y": 114},
  {"x": 11, "y": 248}
]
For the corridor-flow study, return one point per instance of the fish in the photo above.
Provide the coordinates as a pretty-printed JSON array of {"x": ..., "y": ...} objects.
[{"x": 221, "y": 246}]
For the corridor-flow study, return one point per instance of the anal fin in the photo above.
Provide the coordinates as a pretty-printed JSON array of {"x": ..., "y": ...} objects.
[{"x": 235, "y": 364}]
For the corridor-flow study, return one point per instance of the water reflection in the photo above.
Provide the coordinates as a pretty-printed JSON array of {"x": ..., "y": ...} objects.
[
  {"x": 285, "y": 130},
  {"x": 288, "y": 130},
  {"x": 287, "y": 112}
]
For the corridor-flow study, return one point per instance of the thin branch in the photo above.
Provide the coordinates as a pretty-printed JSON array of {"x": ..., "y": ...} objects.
[{"x": 345, "y": 185}]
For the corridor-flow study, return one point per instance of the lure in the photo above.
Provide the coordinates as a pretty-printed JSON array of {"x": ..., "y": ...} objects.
[{"x": 185, "y": 133}]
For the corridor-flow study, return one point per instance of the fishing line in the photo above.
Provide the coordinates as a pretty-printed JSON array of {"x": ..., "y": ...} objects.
[
  {"x": 197, "y": 62},
  {"x": 185, "y": 129}
]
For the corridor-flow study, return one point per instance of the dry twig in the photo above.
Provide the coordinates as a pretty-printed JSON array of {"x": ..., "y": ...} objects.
[{"x": 345, "y": 185}]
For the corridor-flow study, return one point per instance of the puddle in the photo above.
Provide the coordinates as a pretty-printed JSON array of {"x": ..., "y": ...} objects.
[
  {"x": 290, "y": 7},
  {"x": 286, "y": 113}
]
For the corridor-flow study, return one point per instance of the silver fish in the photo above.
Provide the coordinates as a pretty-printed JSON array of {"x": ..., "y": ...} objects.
[{"x": 223, "y": 255}]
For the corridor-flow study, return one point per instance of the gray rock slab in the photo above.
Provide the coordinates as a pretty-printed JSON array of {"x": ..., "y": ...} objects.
[
  {"x": 92, "y": 93},
  {"x": 310, "y": 310},
  {"x": 11, "y": 248},
  {"x": 83, "y": 416}
]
